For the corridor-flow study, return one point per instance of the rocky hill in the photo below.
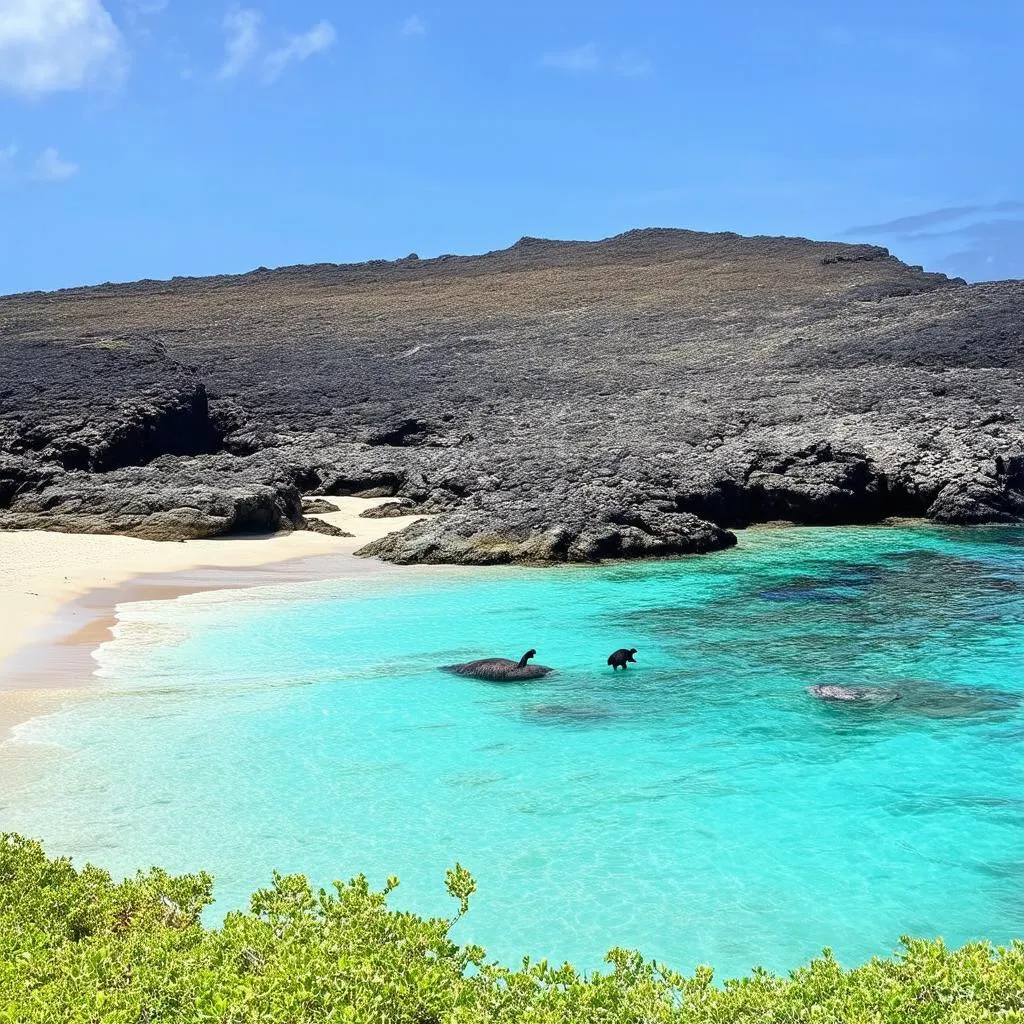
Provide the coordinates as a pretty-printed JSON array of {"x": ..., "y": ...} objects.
[{"x": 552, "y": 401}]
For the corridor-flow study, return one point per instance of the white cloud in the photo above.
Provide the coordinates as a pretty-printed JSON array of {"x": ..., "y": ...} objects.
[
  {"x": 587, "y": 59},
  {"x": 55, "y": 45},
  {"x": 578, "y": 60},
  {"x": 50, "y": 166},
  {"x": 631, "y": 66},
  {"x": 413, "y": 26},
  {"x": 242, "y": 43},
  {"x": 299, "y": 48}
]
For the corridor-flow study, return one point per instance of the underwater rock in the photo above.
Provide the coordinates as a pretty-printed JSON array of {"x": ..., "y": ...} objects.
[
  {"x": 568, "y": 714},
  {"x": 854, "y": 694},
  {"x": 934, "y": 700},
  {"x": 923, "y": 699}
]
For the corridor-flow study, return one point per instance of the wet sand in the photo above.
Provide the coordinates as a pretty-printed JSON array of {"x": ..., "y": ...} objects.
[{"x": 59, "y": 592}]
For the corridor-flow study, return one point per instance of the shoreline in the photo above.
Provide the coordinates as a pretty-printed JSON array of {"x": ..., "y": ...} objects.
[
  {"x": 46, "y": 656},
  {"x": 59, "y": 592}
]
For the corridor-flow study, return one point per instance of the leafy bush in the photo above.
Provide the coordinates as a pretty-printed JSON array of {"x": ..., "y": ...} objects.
[{"x": 77, "y": 947}]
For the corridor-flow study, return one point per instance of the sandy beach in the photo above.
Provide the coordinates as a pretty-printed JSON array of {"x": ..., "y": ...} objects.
[{"x": 59, "y": 591}]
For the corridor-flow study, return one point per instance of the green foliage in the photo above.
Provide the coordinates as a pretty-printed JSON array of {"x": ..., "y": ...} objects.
[{"x": 76, "y": 947}]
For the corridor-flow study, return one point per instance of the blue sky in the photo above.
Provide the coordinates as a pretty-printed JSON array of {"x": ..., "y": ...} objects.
[{"x": 147, "y": 138}]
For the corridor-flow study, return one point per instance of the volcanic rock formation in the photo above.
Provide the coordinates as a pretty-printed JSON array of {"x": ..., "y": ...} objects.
[{"x": 553, "y": 401}]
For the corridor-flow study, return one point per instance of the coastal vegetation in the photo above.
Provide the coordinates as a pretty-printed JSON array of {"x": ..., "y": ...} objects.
[{"x": 76, "y": 947}]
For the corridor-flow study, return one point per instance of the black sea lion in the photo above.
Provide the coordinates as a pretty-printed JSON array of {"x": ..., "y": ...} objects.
[
  {"x": 500, "y": 670},
  {"x": 621, "y": 657}
]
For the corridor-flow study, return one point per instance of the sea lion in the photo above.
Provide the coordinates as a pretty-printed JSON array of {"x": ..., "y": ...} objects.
[
  {"x": 500, "y": 670},
  {"x": 621, "y": 657}
]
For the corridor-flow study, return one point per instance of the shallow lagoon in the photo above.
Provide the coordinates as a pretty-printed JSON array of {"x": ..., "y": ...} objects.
[{"x": 700, "y": 807}]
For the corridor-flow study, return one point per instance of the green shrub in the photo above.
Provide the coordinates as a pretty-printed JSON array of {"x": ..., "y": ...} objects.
[{"x": 76, "y": 947}]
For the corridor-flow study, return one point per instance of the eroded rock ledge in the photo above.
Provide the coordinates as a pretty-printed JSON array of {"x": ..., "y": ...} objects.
[{"x": 637, "y": 397}]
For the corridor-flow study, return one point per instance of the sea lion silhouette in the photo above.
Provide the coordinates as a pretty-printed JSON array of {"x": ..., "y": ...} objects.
[
  {"x": 621, "y": 657},
  {"x": 500, "y": 670}
]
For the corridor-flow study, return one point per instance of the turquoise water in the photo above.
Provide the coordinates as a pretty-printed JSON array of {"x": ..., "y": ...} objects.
[{"x": 700, "y": 807}]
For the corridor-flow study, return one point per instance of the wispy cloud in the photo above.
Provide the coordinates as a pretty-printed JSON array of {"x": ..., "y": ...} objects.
[
  {"x": 299, "y": 48},
  {"x": 413, "y": 26},
  {"x": 578, "y": 60},
  {"x": 633, "y": 66},
  {"x": 138, "y": 10},
  {"x": 242, "y": 28},
  {"x": 49, "y": 46},
  {"x": 588, "y": 60},
  {"x": 924, "y": 49},
  {"x": 989, "y": 250},
  {"x": 931, "y": 218},
  {"x": 51, "y": 167},
  {"x": 244, "y": 47},
  {"x": 980, "y": 242}
]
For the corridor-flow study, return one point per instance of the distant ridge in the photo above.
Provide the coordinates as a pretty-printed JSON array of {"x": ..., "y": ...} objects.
[{"x": 527, "y": 251}]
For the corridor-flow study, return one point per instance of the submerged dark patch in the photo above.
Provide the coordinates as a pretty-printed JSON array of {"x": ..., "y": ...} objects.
[{"x": 568, "y": 714}]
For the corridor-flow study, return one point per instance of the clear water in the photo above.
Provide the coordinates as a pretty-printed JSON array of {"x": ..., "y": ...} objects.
[{"x": 701, "y": 807}]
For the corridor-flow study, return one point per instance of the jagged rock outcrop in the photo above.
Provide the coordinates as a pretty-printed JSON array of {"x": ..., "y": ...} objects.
[
  {"x": 553, "y": 401},
  {"x": 476, "y": 538},
  {"x": 98, "y": 406}
]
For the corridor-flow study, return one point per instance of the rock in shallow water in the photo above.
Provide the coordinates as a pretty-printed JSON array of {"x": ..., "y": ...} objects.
[
  {"x": 853, "y": 694},
  {"x": 919, "y": 699}
]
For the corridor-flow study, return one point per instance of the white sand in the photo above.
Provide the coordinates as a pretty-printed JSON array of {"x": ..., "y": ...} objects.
[{"x": 40, "y": 572}]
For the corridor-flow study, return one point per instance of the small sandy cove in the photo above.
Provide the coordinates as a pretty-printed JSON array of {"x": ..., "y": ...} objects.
[{"x": 58, "y": 591}]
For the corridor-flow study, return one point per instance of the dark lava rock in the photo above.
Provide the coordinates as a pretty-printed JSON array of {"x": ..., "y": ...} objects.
[
  {"x": 318, "y": 506},
  {"x": 554, "y": 401},
  {"x": 476, "y": 538},
  {"x": 98, "y": 406},
  {"x": 389, "y": 510},
  {"x": 328, "y": 529}
]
